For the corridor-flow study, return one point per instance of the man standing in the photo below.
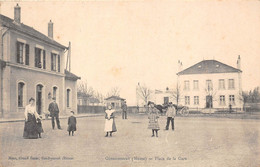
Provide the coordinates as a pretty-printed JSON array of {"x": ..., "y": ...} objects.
[
  {"x": 124, "y": 108},
  {"x": 54, "y": 113},
  {"x": 170, "y": 114}
]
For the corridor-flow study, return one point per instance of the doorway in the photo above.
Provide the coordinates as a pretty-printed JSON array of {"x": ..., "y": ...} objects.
[
  {"x": 209, "y": 103},
  {"x": 39, "y": 100}
]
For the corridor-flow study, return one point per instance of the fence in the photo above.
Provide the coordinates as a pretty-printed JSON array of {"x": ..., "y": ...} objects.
[{"x": 90, "y": 109}]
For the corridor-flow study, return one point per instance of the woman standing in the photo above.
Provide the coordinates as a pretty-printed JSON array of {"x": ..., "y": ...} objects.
[
  {"x": 110, "y": 125},
  {"x": 30, "y": 126},
  {"x": 153, "y": 119}
]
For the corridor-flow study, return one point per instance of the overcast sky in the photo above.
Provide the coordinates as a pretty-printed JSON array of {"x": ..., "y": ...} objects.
[{"x": 123, "y": 43}]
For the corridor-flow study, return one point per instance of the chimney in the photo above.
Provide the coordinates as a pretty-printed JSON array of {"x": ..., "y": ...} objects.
[
  {"x": 179, "y": 66},
  {"x": 239, "y": 63},
  {"x": 50, "y": 30},
  {"x": 17, "y": 14}
]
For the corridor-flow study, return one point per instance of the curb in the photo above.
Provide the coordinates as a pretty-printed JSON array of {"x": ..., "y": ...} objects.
[{"x": 62, "y": 117}]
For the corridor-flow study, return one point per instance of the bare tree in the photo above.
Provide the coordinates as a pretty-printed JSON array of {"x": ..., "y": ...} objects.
[
  {"x": 211, "y": 93},
  {"x": 144, "y": 92},
  {"x": 99, "y": 96},
  {"x": 115, "y": 91},
  {"x": 83, "y": 87},
  {"x": 176, "y": 93}
]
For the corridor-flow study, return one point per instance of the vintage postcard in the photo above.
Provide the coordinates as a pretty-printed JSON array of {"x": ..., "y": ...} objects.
[{"x": 130, "y": 83}]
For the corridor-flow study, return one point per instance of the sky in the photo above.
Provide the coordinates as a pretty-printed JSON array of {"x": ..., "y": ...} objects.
[{"x": 121, "y": 43}]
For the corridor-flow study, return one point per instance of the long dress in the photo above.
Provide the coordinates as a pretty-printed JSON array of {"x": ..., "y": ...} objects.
[
  {"x": 153, "y": 119},
  {"x": 110, "y": 125},
  {"x": 30, "y": 126}
]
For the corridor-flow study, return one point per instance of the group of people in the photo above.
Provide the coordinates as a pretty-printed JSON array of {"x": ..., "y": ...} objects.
[
  {"x": 153, "y": 117},
  {"x": 33, "y": 126}
]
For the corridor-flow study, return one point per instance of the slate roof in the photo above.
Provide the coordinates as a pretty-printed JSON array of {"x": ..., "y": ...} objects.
[
  {"x": 115, "y": 98},
  {"x": 9, "y": 23},
  {"x": 71, "y": 76},
  {"x": 208, "y": 67}
]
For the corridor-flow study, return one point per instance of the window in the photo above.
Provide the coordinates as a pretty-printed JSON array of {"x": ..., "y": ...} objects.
[
  {"x": 55, "y": 92},
  {"x": 68, "y": 97},
  {"x": 55, "y": 62},
  {"x": 221, "y": 84},
  {"x": 231, "y": 84},
  {"x": 222, "y": 100},
  {"x": 186, "y": 85},
  {"x": 20, "y": 94},
  {"x": 209, "y": 85},
  {"x": 40, "y": 58},
  {"x": 196, "y": 100},
  {"x": 166, "y": 100},
  {"x": 22, "y": 53},
  {"x": 187, "y": 100},
  {"x": 195, "y": 85},
  {"x": 232, "y": 99}
]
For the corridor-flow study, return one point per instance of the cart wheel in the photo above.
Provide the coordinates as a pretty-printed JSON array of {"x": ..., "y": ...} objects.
[{"x": 185, "y": 111}]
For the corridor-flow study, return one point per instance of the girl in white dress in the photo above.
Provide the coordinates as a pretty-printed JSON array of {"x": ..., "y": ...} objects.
[{"x": 110, "y": 125}]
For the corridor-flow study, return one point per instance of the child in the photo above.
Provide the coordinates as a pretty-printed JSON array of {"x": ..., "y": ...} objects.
[
  {"x": 39, "y": 126},
  {"x": 72, "y": 123},
  {"x": 110, "y": 125},
  {"x": 153, "y": 119}
]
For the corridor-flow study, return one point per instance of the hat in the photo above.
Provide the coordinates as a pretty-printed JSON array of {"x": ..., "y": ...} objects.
[{"x": 54, "y": 98}]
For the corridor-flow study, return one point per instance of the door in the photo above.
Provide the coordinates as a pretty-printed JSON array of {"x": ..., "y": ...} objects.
[
  {"x": 166, "y": 100},
  {"x": 209, "y": 103},
  {"x": 39, "y": 99}
]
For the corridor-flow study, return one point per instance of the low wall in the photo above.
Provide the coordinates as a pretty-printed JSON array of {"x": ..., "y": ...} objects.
[{"x": 90, "y": 109}]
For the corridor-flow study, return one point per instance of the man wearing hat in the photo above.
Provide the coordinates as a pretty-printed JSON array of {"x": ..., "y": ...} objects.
[
  {"x": 54, "y": 113},
  {"x": 124, "y": 108}
]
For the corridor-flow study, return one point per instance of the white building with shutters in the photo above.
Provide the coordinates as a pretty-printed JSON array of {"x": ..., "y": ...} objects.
[
  {"x": 211, "y": 84},
  {"x": 32, "y": 65}
]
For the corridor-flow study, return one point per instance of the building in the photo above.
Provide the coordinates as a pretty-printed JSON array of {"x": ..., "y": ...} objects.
[
  {"x": 211, "y": 84},
  {"x": 32, "y": 65},
  {"x": 115, "y": 101},
  {"x": 87, "y": 100},
  {"x": 164, "y": 96}
]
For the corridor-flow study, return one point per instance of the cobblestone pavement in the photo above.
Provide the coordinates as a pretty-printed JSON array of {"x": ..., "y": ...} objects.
[{"x": 195, "y": 142}]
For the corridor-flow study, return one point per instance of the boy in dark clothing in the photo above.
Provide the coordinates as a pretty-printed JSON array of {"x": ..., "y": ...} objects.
[
  {"x": 72, "y": 123},
  {"x": 39, "y": 127}
]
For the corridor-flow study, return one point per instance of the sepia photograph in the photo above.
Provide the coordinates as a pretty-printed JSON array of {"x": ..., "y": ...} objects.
[{"x": 130, "y": 83}]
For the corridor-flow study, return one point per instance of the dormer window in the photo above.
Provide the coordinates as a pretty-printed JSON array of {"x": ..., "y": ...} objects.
[
  {"x": 199, "y": 66},
  {"x": 217, "y": 65}
]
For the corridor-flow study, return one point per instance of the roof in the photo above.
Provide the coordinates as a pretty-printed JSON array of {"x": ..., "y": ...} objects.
[
  {"x": 83, "y": 95},
  {"x": 9, "y": 23},
  {"x": 114, "y": 98},
  {"x": 71, "y": 76},
  {"x": 208, "y": 67}
]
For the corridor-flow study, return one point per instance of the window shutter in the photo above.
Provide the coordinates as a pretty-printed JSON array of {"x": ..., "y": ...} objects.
[
  {"x": 51, "y": 61},
  {"x": 44, "y": 60},
  {"x": 27, "y": 54},
  {"x": 58, "y": 63},
  {"x": 36, "y": 58},
  {"x": 17, "y": 52}
]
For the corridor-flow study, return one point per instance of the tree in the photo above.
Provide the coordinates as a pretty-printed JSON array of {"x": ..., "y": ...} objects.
[
  {"x": 83, "y": 87},
  {"x": 144, "y": 92},
  {"x": 115, "y": 91},
  {"x": 176, "y": 93},
  {"x": 99, "y": 96}
]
